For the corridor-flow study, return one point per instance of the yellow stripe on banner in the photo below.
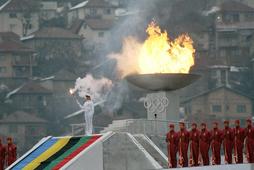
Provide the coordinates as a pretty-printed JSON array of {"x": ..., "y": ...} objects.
[{"x": 48, "y": 153}]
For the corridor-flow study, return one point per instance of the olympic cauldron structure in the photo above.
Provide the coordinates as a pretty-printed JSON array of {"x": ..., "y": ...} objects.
[{"x": 162, "y": 99}]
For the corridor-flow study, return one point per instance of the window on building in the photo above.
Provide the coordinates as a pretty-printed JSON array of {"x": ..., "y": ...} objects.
[
  {"x": 227, "y": 107},
  {"x": 93, "y": 12},
  {"x": 235, "y": 52},
  {"x": 231, "y": 18},
  {"x": 235, "y": 17},
  {"x": 101, "y": 34},
  {"x": 223, "y": 53},
  {"x": 13, "y": 15},
  {"x": 241, "y": 108},
  {"x": 13, "y": 128},
  {"x": 223, "y": 74},
  {"x": 3, "y": 69},
  {"x": 17, "y": 58},
  {"x": 216, "y": 108},
  {"x": 84, "y": 25},
  {"x": 13, "y": 27},
  {"x": 107, "y": 11},
  {"x": 2, "y": 57},
  {"x": 30, "y": 26},
  {"x": 249, "y": 16}
]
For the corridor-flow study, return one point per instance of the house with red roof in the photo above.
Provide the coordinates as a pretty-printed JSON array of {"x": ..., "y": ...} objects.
[
  {"x": 16, "y": 59},
  {"x": 53, "y": 38},
  {"x": 19, "y": 16},
  {"x": 99, "y": 9},
  {"x": 32, "y": 97},
  {"x": 94, "y": 31}
]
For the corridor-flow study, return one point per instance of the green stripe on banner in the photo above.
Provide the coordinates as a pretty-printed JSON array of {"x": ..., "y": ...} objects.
[
  {"x": 68, "y": 152},
  {"x": 71, "y": 143}
]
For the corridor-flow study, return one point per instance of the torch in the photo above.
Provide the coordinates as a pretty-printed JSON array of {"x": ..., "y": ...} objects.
[{"x": 72, "y": 93}]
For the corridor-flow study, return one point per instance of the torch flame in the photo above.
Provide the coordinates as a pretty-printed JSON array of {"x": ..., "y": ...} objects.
[
  {"x": 71, "y": 91},
  {"x": 158, "y": 54}
]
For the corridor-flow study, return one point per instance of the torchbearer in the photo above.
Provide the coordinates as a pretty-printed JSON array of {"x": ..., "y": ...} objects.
[
  {"x": 2, "y": 155},
  {"x": 238, "y": 142},
  {"x": 204, "y": 144},
  {"x": 216, "y": 138},
  {"x": 228, "y": 142},
  {"x": 172, "y": 142},
  {"x": 11, "y": 151},
  {"x": 249, "y": 141},
  {"x": 88, "y": 108},
  {"x": 183, "y": 144},
  {"x": 194, "y": 145}
]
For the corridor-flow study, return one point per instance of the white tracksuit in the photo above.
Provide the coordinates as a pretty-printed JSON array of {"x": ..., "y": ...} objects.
[{"x": 88, "y": 108}]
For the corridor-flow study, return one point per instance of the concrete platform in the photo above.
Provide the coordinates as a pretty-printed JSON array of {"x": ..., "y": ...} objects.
[{"x": 108, "y": 151}]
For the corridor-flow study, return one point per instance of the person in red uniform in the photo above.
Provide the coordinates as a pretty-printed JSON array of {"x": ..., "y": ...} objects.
[
  {"x": 239, "y": 136},
  {"x": 194, "y": 145},
  {"x": 11, "y": 151},
  {"x": 228, "y": 142},
  {"x": 172, "y": 141},
  {"x": 249, "y": 141},
  {"x": 204, "y": 144},
  {"x": 2, "y": 155},
  {"x": 216, "y": 138},
  {"x": 183, "y": 144}
]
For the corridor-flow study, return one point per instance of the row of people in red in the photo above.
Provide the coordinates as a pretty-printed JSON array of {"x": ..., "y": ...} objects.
[
  {"x": 8, "y": 153},
  {"x": 199, "y": 142}
]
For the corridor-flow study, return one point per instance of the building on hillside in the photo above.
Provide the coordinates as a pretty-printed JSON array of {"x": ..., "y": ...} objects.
[
  {"x": 234, "y": 27},
  {"x": 26, "y": 129},
  {"x": 230, "y": 44},
  {"x": 49, "y": 10},
  {"x": 98, "y": 9},
  {"x": 16, "y": 59},
  {"x": 119, "y": 3},
  {"x": 32, "y": 97},
  {"x": 222, "y": 103},
  {"x": 60, "y": 83},
  {"x": 95, "y": 31},
  {"x": 53, "y": 39},
  {"x": 19, "y": 16}
]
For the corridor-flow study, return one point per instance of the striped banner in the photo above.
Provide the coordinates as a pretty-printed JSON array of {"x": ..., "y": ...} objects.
[{"x": 55, "y": 153}]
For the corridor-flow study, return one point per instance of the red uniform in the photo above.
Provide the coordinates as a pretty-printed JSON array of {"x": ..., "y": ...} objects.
[
  {"x": 183, "y": 146},
  {"x": 172, "y": 140},
  {"x": 204, "y": 142},
  {"x": 216, "y": 138},
  {"x": 2, "y": 156},
  {"x": 194, "y": 146},
  {"x": 249, "y": 132},
  {"x": 238, "y": 144},
  {"x": 228, "y": 143},
  {"x": 11, "y": 153}
]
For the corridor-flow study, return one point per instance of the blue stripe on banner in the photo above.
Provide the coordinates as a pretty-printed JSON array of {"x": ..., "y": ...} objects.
[{"x": 35, "y": 154}]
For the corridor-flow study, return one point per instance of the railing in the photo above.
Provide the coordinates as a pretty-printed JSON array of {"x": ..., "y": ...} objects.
[
  {"x": 79, "y": 128},
  {"x": 150, "y": 127},
  {"x": 133, "y": 126}
]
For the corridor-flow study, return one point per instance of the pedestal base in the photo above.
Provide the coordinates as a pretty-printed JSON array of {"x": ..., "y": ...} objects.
[{"x": 162, "y": 106}]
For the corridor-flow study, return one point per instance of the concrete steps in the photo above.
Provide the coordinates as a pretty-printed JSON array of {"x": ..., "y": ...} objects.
[
  {"x": 118, "y": 126},
  {"x": 152, "y": 149}
]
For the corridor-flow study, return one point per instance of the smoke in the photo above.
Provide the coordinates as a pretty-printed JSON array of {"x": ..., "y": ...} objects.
[
  {"x": 117, "y": 96},
  {"x": 126, "y": 59},
  {"x": 213, "y": 10},
  {"x": 96, "y": 88},
  {"x": 132, "y": 24}
]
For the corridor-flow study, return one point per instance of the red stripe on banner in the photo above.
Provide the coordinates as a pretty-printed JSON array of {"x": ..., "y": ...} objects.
[{"x": 76, "y": 152}]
